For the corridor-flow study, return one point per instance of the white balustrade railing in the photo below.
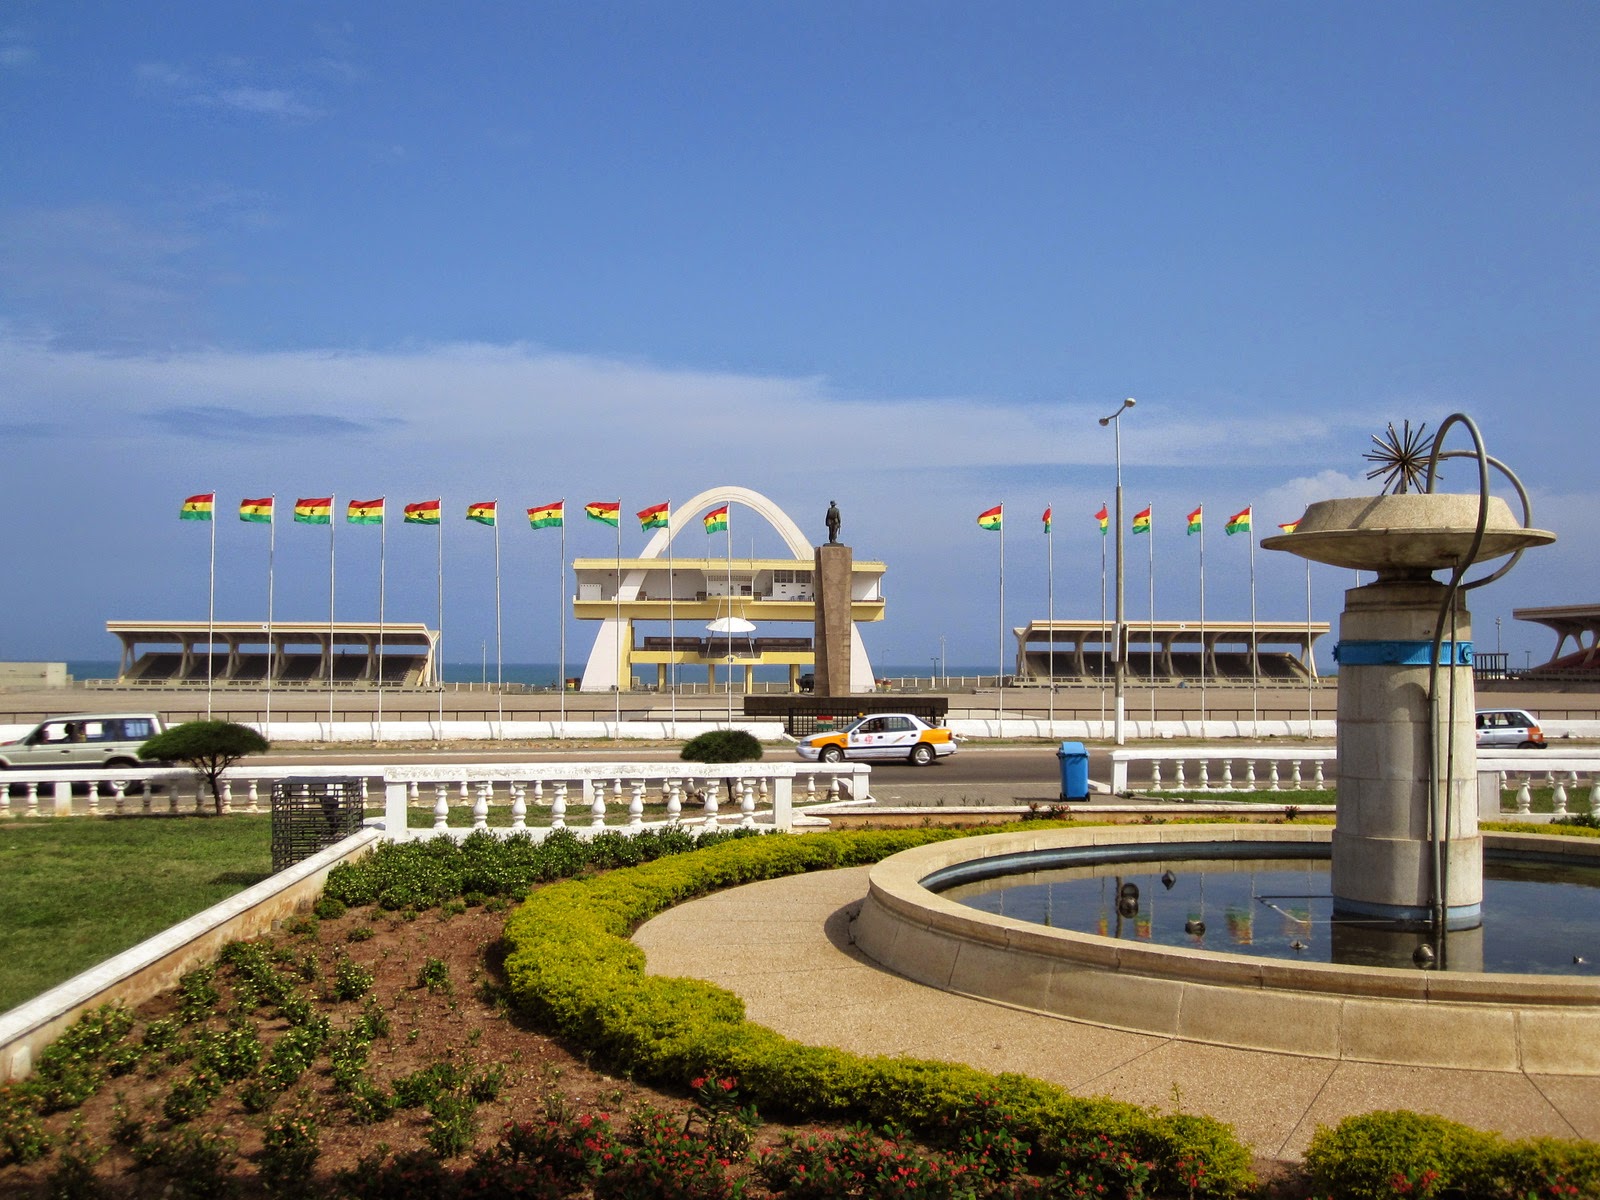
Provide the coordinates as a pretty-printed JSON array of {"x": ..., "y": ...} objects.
[
  {"x": 1572, "y": 779},
  {"x": 1223, "y": 769},
  {"x": 577, "y": 795},
  {"x": 584, "y": 796}
]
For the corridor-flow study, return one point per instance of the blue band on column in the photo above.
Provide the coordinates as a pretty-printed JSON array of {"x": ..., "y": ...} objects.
[{"x": 1401, "y": 654}]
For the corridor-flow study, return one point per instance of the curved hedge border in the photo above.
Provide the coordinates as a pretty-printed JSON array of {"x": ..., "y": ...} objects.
[{"x": 572, "y": 968}]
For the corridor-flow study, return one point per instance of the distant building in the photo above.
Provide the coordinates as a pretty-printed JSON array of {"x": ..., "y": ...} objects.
[
  {"x": 34, "y": 675},
  {"x": 1577, "y": 650}
]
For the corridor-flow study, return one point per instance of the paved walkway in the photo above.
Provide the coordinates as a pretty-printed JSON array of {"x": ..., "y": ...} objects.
[{"x": 784, "y": 947}]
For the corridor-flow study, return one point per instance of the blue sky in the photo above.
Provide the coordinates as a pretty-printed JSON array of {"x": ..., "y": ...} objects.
[{"x": 900, "y": 255}]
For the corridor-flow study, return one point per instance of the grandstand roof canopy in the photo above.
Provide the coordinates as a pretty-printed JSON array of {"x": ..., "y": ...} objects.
[
  {"x": 284, "y": 633},
  {"x": 253, "y": 652},
  {"x": 1581, "y": 623}
]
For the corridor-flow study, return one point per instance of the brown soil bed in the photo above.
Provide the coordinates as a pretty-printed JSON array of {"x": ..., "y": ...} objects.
[{"x": 470, "y": 1024}]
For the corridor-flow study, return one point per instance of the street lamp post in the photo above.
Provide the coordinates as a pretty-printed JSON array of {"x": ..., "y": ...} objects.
[{"x": 1119, "y": 634}]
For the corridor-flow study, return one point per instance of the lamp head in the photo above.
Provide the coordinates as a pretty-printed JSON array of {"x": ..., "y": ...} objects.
[
  {"x": 1105, "y": 420},
  {"x": 1129, "y": 402}
]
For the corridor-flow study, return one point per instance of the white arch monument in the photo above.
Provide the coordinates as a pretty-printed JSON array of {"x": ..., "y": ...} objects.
[{"x": 606, "y": 657}]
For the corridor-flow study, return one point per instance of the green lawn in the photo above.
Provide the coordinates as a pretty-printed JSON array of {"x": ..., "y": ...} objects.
[{"x": 75, "y": 891}]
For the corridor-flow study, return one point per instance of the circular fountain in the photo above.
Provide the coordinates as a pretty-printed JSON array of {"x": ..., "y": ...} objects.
[{"x": 1407, "y": 855}]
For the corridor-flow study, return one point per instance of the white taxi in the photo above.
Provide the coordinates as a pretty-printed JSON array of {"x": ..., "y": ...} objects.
[{"x": 880, "y": 736}]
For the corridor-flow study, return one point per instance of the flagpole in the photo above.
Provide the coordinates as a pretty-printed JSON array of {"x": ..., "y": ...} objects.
[
  {"x": 1000, "y": 677},
  {"x": 383, "y": 537},
  {"x": 438, "y": 634},
  {"x": 1050, "y": 650},
  {"x": 332, "y": 528},
  {"x": 272, "y": 551},
  {"x": 1152, "y": 533},
  {"x": 727, "y": 526},
  {"x": 1255, "y": 640},
  {"x": 499, "y": 656},
  {"x": 561, "y": 616},
  {"x": 1102, "y": 629},
  {"x": 1202, "y": 623},
  {"x": 616, "y": 731},
  {"x": 211, "y": 607},
  {"x": 672, "y": 625}
]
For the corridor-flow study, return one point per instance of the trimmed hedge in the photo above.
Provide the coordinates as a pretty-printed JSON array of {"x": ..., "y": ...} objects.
[
  {"x": 1378, "y": 1155},
  {"x": 572, "y": 968}
]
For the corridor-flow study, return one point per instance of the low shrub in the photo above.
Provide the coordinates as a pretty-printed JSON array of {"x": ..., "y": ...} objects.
[{"x": 571, "y": 968}]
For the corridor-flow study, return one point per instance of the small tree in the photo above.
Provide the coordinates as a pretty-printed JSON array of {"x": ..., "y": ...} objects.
[
  {"x": 210, "y": 747},
  {"x": 722, "y": 746}
]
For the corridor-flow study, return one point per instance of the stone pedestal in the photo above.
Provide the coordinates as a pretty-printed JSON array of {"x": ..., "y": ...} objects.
[
  {"x": 1382, "y": 862},
  {"x": 831, "y": 641}
]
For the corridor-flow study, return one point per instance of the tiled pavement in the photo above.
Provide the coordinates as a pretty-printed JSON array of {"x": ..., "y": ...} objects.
[{"x": 784, "y": 947}]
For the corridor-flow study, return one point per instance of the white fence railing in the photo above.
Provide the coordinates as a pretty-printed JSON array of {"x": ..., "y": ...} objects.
[
  {"x": 498, "y": 795},
  {"x": 1315, "y": 768}
]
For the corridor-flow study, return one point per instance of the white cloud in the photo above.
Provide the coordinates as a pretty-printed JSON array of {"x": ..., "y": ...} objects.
[{"x": 222, "y": 88}]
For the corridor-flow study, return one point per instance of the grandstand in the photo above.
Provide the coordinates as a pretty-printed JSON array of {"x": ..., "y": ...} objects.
[
  {"x": 1577, "y": 625},
  {"x": 353, "y": 654},
  {"x": 1170, "y": 652}
]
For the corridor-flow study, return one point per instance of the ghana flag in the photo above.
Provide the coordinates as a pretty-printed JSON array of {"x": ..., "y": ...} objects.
[
  {"x": 654, "y": 517},
  {"x": 198, "y": 508},
  {"x": 548, "y": 516},
  {"x": 1141, "y": 521},
  {"x": 482, "y": 513},
  {"x": 424, "y": 512},
  {"x": 603, "y": 510},
  {"x": 1046, "y": 519},
  {"x": 1195, "y": 518},
  {"x": 990, "y": 518},
  {"x": 1290, "y": 527},
  {"x": 259, "y": 511},
  {"x": 316, "y": 511},
  {"x": 1238, "y": 523},
  {"x": 1105, "y": 520},
  {"x": 365, "y": 512},
  {"x": 717, "y": 519}
]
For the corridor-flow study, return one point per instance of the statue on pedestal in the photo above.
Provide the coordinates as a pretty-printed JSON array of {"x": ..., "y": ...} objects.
[{"x": 833, "y": 522}]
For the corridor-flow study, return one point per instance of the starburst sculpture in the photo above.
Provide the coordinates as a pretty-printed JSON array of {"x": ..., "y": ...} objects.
[{"x": 1401, "y": 457}]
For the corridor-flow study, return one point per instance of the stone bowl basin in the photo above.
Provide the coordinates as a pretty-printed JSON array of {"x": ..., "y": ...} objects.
[{"x": 1405, "y": 534}]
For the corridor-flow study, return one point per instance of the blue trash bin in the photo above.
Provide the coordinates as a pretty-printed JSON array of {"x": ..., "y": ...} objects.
[{"x": 1074, "y": 758}]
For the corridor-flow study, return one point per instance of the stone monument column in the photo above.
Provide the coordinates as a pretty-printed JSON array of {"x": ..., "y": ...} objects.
[
  {"x": 831, "y": 641},
  {"x": 1381, "y": 850}
]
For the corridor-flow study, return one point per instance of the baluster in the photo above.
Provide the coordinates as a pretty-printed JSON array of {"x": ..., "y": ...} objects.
[
  {"x": 1250, "y": 775},
  {"x": 1524, "y": 796},
  {"x": 1227, "y": 774},
  {"x": 636, "y": 805},
  {"x": 441, "y": 807},
  {"x": 413, "y": 795},
  {"x": 597, "y": 811},
  {"x": 1594, "y": 796},
  {"x": 713, "y": 786},
  {"x": 94, "y": 797},
  {"x": 1178, "y": 781},
  {"x": 519, "y": 804},
  {"x": 1294, "y": 779},
  {"x": 227, "y": 795},
  {"x": 464, "y": 792},
  {"x": 674, "y": 802},
  {"x": 5, "y": 799},
  {"x": 1276, "y": 784},
  {"x": 747, "y": 804},
  {"x": 1317, "y": 781},
  {"x": 255, "y": 795},
  {"x": 558, "y": 805},
  {"x": 118, "y": 799},
  {"x": 1155, "y": 774},
  {"x": 833, "y": 785},
  {"x": 761, "y": 789},
  {"x": 811, "y": 789},
  {"x": 538, "y": 792},
  {"x": 480, "y": 807},
  {"x": 1558, "y": 794},
  {"x": 33, "y": 799},
  {"x": 1205, "y": 775}
]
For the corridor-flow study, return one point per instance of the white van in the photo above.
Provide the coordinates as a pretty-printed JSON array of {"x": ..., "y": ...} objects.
[{"x": 83, "y": 740}]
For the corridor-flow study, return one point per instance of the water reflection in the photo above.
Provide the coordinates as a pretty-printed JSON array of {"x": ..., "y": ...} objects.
[{"x": 1537, "y": 919}]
